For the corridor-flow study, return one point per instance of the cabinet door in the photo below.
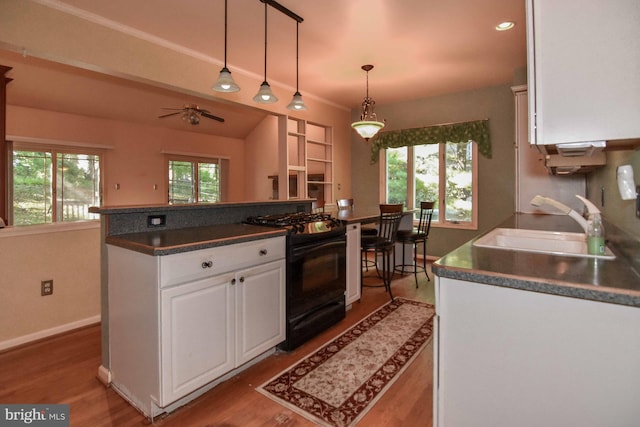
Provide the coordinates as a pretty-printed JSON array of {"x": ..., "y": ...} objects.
[
  {"x": 353, "y": 263},
  {"x": 260, "y": 309},
  {"x": 197, "y": 340},
  {"x": 584, "y": 63}
]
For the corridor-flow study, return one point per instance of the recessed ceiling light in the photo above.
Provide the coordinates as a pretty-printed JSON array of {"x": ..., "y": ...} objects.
[{"x": 504, "y": 26}]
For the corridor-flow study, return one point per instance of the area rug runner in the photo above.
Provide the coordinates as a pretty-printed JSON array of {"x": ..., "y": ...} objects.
[{"x": 337, "y": 384}]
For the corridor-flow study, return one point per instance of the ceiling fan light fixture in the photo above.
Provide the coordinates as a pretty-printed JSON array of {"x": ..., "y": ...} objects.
[
  {"x": 368, "y": 125},
  {"x": 225, "y": 81}
]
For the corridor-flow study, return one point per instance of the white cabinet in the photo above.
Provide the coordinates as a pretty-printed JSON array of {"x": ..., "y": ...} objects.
[
  {"x": 584, "y": 68},
  {"x": 509, "y": 357},
  {"x": 197, "y": 335},
  {"x": 354, "y": 272},
  {"x": 179, "y": 322}
]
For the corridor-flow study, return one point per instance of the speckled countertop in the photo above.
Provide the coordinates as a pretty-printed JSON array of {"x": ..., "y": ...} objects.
[
  {"x": 166, "y": 242},
  {"x": 613, "y": 281}
]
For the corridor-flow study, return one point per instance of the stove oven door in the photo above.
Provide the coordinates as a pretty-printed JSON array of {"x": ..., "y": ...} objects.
[{"x": 316, "y": 284}]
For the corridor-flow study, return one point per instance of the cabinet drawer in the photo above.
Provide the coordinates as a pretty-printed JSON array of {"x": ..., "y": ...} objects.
[{"x": 187, "y": 266}]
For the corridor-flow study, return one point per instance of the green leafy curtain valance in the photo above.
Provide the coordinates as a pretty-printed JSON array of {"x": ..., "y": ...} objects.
[{"x": 476, "y": 131}]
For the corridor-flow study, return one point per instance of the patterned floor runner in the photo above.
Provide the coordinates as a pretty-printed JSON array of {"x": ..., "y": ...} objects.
[{"x": 337, "y": 384}]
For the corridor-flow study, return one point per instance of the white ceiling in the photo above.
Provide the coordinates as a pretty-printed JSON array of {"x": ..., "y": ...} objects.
[{"x": 419, "y": 48}]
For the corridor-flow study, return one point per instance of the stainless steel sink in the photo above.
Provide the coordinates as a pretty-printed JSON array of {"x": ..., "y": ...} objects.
[{"x": 546, "y": 242}]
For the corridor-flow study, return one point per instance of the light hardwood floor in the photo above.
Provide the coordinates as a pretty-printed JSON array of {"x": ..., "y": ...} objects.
[{"x": 63, "y": 370}]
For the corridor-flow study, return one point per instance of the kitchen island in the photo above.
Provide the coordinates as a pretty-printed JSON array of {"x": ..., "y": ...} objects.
[
  {"x": 190, "y": 297},
  {"x": 534, "y": 339}
]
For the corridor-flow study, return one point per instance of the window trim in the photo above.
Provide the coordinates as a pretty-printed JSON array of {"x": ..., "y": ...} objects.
[{"x": 441, "y": 222}]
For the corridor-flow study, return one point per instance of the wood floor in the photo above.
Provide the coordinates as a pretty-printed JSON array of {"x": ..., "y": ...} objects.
[{"x": 63, "y": 369}]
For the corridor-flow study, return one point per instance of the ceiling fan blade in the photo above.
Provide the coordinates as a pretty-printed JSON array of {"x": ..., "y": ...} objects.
[
  {"x": 211, "y": 116},
  {"x": 170, "y": 114},
  {"x": 175, "y": 109}
]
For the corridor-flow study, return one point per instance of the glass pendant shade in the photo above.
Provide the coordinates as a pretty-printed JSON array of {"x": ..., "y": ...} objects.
[
  {"x": 225, "y": 82},
  {"x": 265, "y": 95},
  {"x": 297, "y": 104},
  {"x": 367, "y": 129}
]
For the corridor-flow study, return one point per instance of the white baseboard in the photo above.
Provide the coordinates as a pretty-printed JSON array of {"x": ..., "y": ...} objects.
[{"x": 25, "y": 339}]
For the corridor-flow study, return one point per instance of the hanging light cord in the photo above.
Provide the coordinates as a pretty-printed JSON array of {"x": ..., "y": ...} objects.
[
  {"x": 297, "y": 57},
  {"x": 265, "y": 42},
  {"x": 367, "y": 84},
  {"x": 225, "y": 33}
]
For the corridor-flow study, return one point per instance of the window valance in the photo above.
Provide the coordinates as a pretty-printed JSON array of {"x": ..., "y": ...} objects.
[{"x": 476, "y": 131}]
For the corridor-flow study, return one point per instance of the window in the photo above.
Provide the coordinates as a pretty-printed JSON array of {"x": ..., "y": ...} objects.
[
  {"x": 53, "y": 184},
  {"x": 444, "y": 173},
  {"x": 193, "y": 180}
]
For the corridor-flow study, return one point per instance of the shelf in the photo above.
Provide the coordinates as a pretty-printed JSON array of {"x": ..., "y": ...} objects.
[
  {"x": 310, "y": 159},
  {"x": 312, "y": 141}
]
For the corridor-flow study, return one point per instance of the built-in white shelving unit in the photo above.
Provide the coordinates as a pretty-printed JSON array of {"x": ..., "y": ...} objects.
[{"x": 306, "y": 160}]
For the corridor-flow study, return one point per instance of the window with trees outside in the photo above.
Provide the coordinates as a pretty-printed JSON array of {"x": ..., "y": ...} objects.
[
  {"x": 194, "y": 180},
  {"x": 53, "y": 184},
  {"x": 445, "y": 173}
]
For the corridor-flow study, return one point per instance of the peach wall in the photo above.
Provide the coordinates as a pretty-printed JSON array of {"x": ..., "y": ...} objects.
[
  {"x": 51, "y": 34},
  {"x": 72, "y": 259},
  {"x": 134, "y": 158},
  {"x": 261, "y": 159}
]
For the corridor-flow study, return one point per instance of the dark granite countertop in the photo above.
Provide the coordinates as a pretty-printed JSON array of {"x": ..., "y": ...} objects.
[
  {"x": 613, "y": 281},
  {"x": 166, "y": 242},
  {"x": 364, "y": 215}
]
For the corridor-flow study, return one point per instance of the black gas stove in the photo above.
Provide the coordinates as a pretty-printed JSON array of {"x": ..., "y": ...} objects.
[
  {"x": 316, "y": 272},
  {"x": 300, "y": 222}
]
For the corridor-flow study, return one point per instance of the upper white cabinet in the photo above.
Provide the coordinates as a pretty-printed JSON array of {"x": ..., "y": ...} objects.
[{"x": 584, "y": 70}]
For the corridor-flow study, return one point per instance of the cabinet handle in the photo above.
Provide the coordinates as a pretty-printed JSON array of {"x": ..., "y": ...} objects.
[
  {"x": 241, "y": 279},
  {"x": 207, "y": 264},
  {"x": 263, "y": 252},
  {"x": 233, "y": 281}
]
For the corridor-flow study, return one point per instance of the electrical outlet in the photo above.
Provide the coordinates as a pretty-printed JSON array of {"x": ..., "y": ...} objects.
[
  {"x": 156, "y": 220},
  {"x": 46, "y": 287}
]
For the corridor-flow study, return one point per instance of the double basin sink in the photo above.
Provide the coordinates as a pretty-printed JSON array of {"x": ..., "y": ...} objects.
[{"x": 546, "y": 242}]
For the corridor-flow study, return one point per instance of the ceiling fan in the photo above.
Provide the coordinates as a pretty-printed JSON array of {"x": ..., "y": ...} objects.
[{"x": 190, "y": 113}]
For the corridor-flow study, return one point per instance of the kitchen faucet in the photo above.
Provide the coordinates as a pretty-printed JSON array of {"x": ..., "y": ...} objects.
[{"x": 541, "y": 200}]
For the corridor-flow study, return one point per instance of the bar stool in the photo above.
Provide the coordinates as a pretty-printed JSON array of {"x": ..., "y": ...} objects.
[
  {"x": 383, "y": 243},
  {"x": 415, "y": 237}
]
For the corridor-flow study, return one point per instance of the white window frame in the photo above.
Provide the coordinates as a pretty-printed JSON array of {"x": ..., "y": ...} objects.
[{"x": 440, "y": 222}]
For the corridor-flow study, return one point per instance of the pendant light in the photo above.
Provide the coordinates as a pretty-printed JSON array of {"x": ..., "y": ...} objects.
[
  {"x": 368, "y": 126},
  {"x": 297, "y": 104},
  {"x": 225, "y": 81},
  {"x": 265, "y": 95}
]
